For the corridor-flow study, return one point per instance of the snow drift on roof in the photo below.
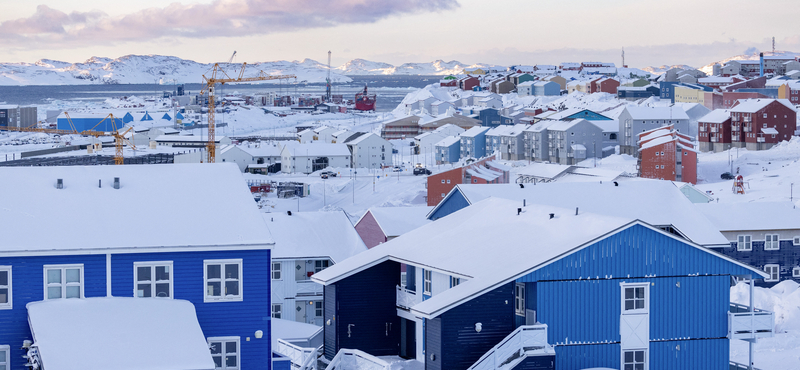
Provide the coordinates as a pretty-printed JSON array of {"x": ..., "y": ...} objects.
[
  {"x": 752, "y": 216},
  {"x": 306, "y": 235},
  {"x": 396, "y": 221},
  {"x": 119, "y": 333}
]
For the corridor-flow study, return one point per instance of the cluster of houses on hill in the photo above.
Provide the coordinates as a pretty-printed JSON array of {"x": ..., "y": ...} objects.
[{"x": 232, "y": 288}]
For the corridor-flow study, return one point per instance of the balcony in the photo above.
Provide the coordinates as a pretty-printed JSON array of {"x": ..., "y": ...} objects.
[
  {"x": 702, "y": 128},
  {"x": 714, "y": 139},
  {"x": 714, "y": 129},
  {"x": 747, "y": 129},
  {"x": 759, "y": 139},
  {"x": 749, "y": 325},
  {"x": 308, "y": 288},
  {"x": 407, "y": 298},
  {"x": 747, "y": 119}
]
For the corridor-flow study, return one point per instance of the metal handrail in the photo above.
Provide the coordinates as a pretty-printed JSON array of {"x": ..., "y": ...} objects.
[{"x": 354, "y": 359}]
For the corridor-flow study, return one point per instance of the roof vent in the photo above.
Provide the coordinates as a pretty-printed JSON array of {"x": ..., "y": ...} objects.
[
  {"x": 519, "y": 210},
  {"x": 576, "y": 211},
  {"x": 99, "y": 183},
  {"x": 521, "y": 186},
  {"x": 289, "y": 213},
  {"x": 616, "y": 183},
  {"x": 552, "y": 216},
  {"x": 60, "y": 184},
  {"x": 116, "y": 183}
]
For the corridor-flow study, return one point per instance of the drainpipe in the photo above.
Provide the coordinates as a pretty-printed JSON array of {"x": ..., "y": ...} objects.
[{"x": 752, "y": 309}]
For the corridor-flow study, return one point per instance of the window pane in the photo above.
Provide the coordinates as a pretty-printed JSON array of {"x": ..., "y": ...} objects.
[
  {"x": 54, "y": 276},
  {"x": 3, "y": 356},
  {"x": 143, "y": 273},
  {"x": 628, "y": 305},
  {"x": 230, "y": 347},
  {"x": 639, "y": 356},
  {"x": 231, "y": 288},
  {"x": 162, "y": 290},
  {"x": 213, "y": 289},
  {"x": 73, "y": 275},
  {"x": 639, "y": 304},
  {"x": 53, "y": 292},
  {"x": 628, "y": 357},
  {"x": 162, "y": 273},
  {"x": 639, "y": 292},
  {"x": 3, "y": 277},
  {"x": 218, "y": 362},
  {"x": 639, "y": 367},
  {"x": 73, "y": 292},
  {"x": 628, "y": 367},
  {"x": 216, "y": 348},
  {"x": 628, "y": 293},
  {"x": 230, "y": 361},
  {"x": 213, "y": 271},
  {"x": 143, "y": 291},
  {"x": 231, "y": 271},
  {"x": 2, "y": 367},
  {"x": 3, "y": 295}
]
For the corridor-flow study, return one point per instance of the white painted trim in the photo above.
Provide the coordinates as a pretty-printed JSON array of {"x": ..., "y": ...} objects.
[
  {"x": 738, "y": 249},
  {"x": 407, "y": 315},
  {"x": 10, "y": 304},
  {"x": 776, "y": 240},
  {"x": 772, "y": 265},
  {"x": 108, "y": 275},
  {"x": 272, "y": 311},
  {"x": 238, "y": 341},
  {"x": 646, "y": 357},
  {"x": 7, "y": 349},
  {"x": 796, "y": 271},
  {"x": 63, "y": 283},
  {"x": 272, "y": 270},
  {"x": 646, "y": 310},
  {"x": 223, "y": 297},
  {"x": 128, "y": 250},
  {"x": 153, "y": 265},
  {"x": 521, "y": 287}
]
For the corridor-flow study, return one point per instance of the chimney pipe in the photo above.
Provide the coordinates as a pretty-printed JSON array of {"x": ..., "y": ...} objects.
[
  {"x": 616, "y": 183},
  {"x": 552, "y": 215},
  {"x": 116, "y": 183},
  {"x": 524, "y": 203},
  {"x": 576, "y": 211},
  {"x": 60, "y": 184},
  {"x": 519, "y": 210},
  {"x": 99, "y": 183},
  {"x": 521, "y": 186}
]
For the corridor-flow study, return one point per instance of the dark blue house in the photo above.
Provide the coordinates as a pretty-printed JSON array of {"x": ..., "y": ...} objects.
[
  {"x": 113, "y": 231},
  {"x": 587, "y": 291},
  {"x": 633, "y": 93},
  {"x": 93, "y": 122},
  {"x": 490, "y": 117}
]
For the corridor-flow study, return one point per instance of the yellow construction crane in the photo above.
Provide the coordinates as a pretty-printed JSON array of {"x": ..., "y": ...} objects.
[
  {"x": 223, "y": 78},
  {"x": 118, "y": 138}
]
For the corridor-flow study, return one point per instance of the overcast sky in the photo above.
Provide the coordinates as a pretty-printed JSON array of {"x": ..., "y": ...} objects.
[{"x": 653, "y": 32}]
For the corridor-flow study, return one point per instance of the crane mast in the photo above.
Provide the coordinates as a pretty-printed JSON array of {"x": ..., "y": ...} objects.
[
  {"x": 223, "y": 78},
  {"x": 328, "y": 80}
]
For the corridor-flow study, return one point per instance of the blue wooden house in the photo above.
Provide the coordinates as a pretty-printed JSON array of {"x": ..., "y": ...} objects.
[
  {"x": 151, "y": 232},
  {"x": 448, "y": 150},
  {"x": 473, "y": 142},
  {"x": 501, "y": 285}
]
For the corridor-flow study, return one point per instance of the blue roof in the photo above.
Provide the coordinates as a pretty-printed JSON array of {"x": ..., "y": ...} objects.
[{"x": 146, "y": 117}]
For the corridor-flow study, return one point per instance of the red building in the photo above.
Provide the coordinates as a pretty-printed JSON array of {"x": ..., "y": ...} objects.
[
  {"x": 467, "y": 83},
  {"x": 714, "y": 131},
  {"x": 667, "y": 155},
  {"x": 717, "y": 83},
  {"x": 485, "y": 171},
  {"x": 448, "y": 83},
  {"x": 759, "y": 124},
  {"x": 607, "y": 85},
  {"x": 729, "y": 98},
  {"x": 381, "y": 224}
]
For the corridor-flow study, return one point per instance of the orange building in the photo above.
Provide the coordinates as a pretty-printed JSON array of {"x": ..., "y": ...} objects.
[
  {"x": 668, "y": 155},
  {"x": 485, "y": 171}
]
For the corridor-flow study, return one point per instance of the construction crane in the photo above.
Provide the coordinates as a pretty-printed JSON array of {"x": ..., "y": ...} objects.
[
  {"x": 119, "y": 139},
  {"x": 328, "y": 80},
  {"x": 218, "y": 76},
  {"x": 231, "y": 58}
]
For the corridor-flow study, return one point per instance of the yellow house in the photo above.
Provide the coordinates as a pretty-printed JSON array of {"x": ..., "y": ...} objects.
[
  {"x": 784, "y": 91},
  {"x": 476, "y": 71},
  {"x": 687, "y": 95}
]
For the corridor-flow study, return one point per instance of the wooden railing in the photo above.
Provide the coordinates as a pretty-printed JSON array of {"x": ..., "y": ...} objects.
[
  {"x": 406, "y": 298},
  {"x": 301, "y": 358},
  {"x": 522, "y": 342},
  {"x": 746, "y": 324},
  {"x": 348, "y": 359}
]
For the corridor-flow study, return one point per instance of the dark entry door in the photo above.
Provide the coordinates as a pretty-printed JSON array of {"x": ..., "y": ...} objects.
[{"x": 408, "y": 338}]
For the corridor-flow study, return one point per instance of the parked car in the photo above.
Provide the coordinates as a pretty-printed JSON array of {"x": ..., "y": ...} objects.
[
  {"x": 421, "y": 171},
  {"x": 326, "y": 174},
  {"x": 726, "y": 176},
  {"x": 397, "y": 169}
]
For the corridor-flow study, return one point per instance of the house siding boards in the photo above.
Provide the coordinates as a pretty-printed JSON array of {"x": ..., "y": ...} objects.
[
  {"x": 452, "y": 336},
  {"x": 378, "y": 284},
  {"x": 370, "y": 231},
  {"x": 787, "y": 256}
]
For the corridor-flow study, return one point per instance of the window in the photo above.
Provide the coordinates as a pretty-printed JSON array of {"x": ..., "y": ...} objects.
[
  {"x": 657, "y": 154},
  {"x": 744, "y": 243},
  {"x": 5, "y": 357},
  {"x": 276, "y": 270},
  {"x": 152, "y": 279},
  {"x": 320, "y": 265},
  {"x": 277, "y": 309},
  {"x": 796, "y": 272},
  {"x": 662, "y": 153},
  {"x": 5, "y": 289},
  {"x": 427, "y": 276},
  {"x": 448, "y": 181},
  {"x": 771, "y": 242},
  {"x": 796, "y": 240},
  {"x": 774, "y": 272},
  {"x": 63, "y": 281},
  {"x": 634, "y": 298},
  {"x": 223, "y": 276},
  {"x": 634, "y": 359},
  {"x": 454, "y": 281},
  {"x": 224, "y": 352},
  {"x": 765, "y": 115},
  {"x": 318, "y": 309},
  {"x": 519, "y": 299},
  {"x": 442, "y": 181}
]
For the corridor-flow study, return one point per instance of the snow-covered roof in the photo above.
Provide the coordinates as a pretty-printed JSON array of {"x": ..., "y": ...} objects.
[
  {"x": 319, "y": 149},
  {"x": 752, "y": 216},
  {"x": 755, "y": 105},
  {"x": 292, "y": 331},
  {"x": 656, "y": 113},
  {"x": 540, "y": 126},
  {"x": 474, "y": 131},
  {"x": 715, "y": 80},
  {"x": 657, "y": 141},
  {"x": 769, "y": 130},
  {"x": 498, "y": 165},
  {"x": 526, "y": 83},
  {"x": 716, "y": 116},
  {"x": 185, "y": 139},
  {"x": 396, "y": 221},
  {"x": 653, "y": 201},
  {"x": 448, "y": 141},
  {"x": 484, "y": 173},
  {"x": 116, "y": 333},
  {"x": 264, "y": 150},
  {"x": 563, "y": 125},
  {"x": 360, "y": 138},
  {"x": 607, "y": 125},
  {"x": 578, "y": 147},
  {"x": 544, "y": 170},
  {"x": 163, "y": 205},
  {"x": 307, "y": 235},
  {"x": 450, "y": 244}
]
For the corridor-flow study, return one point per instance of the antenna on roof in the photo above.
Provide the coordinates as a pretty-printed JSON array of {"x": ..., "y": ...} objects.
[{"x": 773, "y": 45}]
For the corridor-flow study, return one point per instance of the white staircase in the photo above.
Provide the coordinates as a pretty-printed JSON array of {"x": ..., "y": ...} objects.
[
  {"x": 349, "y": 359},
  {"x": 302, "y": 358},
  {"x": 528, "y": 340}
]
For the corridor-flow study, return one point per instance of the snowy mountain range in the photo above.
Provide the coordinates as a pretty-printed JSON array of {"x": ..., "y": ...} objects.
[{"x": 661, "y": 69}]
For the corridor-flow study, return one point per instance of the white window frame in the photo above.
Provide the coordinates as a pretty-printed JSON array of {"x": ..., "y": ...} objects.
[
  {"x": 427, "y": 282},
  {"x": 744, "y": 243},
  {"x": 223, "y": 340},
  {"x": 273, "y": 271},
  {"x": 633, "y": 364},
  {"x": 519, "y": 299},
  {"x": 796, "y": 272},
  {"x": 153, "y": 283},
  {"x": 10, "y": 298},
  {"x": 771, "y": 242},
  {"x": 768, "y": 268},
  {"x": 635, "y": 311},
  {"x": 7, "y": 350},
  {"x": 454, "y": 281},
  {"x": 327, "y": 264},
  {"x": 223, "y": 297},
  {"x": 279, "y": 310},
  {"x": 63, "y": 283}
]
